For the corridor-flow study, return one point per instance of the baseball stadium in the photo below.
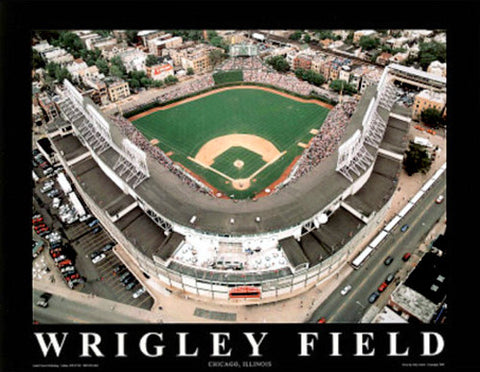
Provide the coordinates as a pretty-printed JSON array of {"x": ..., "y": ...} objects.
[{"x": 239, "y": 186}]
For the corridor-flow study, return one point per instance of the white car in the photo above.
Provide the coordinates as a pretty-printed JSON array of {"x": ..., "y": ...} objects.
[
  {"x": 98, "y": 258},
  {"x": 346, "y": 290},
  {"x": 138, "y": 292}
]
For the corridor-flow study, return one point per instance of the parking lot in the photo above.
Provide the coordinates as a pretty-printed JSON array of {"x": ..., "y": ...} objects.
[{"x": 100, "y": 278}]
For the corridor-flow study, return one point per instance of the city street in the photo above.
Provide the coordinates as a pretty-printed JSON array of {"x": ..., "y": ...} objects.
[{"x": 364, "y": 281}]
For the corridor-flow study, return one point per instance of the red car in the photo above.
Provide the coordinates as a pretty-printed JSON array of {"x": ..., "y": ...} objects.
[
  {"x": 382, "y": 287},
  {"x": 322, "y": 320},
  {"x": 73, "y": 276},
  {"x": 406, "y": 256},
  {"x": 64, "y": 263},
  {"x": 37, "y": 220}
]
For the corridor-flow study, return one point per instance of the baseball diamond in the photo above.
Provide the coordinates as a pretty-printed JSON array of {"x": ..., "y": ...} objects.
[{"x": 256, "y": 127}]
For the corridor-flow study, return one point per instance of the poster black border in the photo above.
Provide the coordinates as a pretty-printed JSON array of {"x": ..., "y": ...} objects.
[{"x": 19, "y": 18}]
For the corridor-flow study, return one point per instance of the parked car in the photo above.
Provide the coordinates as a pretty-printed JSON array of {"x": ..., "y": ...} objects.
[
  {"x": 124, "y": 275},
  {"x": 71, "y": 270},
  {"x": 93, "y": 223},
  {"x": 405, "y": 227},
  {"x": 406, "y": 256},
  {"x": 388, "y": 260},
  {"x": 64, "y": 263},
  {"x": 99, "y": 258},
  {"x": 44, "y": 298},
  {"x": 108, "y": 247},
  {"x": 138, "y": 292},
  {"x": 60, "y": 258},
  {"x": 389, "y": 278},
  {"x": 118, "y": 269},
  {"x": 132, "y": 284},
  {"x": 128, "y": 279},
  {"x": 373, "y": 297},
  {"x": 346, "y": 290},
  {"x": 66, "y": 269},
  {"x": 382, "y": 287},
  {"x": 72, "y": 276},
  {"x": 96, "y": 229},
  {"x": 94, "y": 254}
]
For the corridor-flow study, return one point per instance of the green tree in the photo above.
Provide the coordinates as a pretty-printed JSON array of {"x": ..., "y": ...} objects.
[
  {"x": 190, "y": 71},
  {"x": 131, "y": 36},
  {"x": 133, "y": 83},
  {"x": 119, "y": 70},
  {"x": 307, "y": 38},
  {"x": 430, "y": 52},
  {"x": 368, "y": 42},
  {"x": 417, "y": 159},
  {"x": 37, "y": 61},
  {"x": 102, "y": 66},
  {"x": 216, "y": 56},
  {"x": 432, "y": 117},
  {"x": 151, "y": 60},
  {"x": 169, "y": 80},
  {"x": 342, "y": 86},
  {"x": 114, "y": 70},
  {"x": 296, "y": 35},
  {"x": 279, "y": 63}
]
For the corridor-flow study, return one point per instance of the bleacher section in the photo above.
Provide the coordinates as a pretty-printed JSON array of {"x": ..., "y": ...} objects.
[
  {"x": 142, "y": 232},
  {"x": 293, "y": 251},
  {"x": 378, "y": 189}
]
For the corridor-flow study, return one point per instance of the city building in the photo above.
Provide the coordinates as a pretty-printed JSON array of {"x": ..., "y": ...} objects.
[
  {"x": 424, "y": 292},
  {"x": 98, "y": 92},
  {"x": 197, "y": 58},
  {"x": 357, "y": 35},
  {"x": 117, "y": 89},
  {"x": 428, "y": 99},
  {"x": 146, "y": 35},
  {"x": 155, "y": 46},
  {"x": 48, "y": 106},
  {"x": 160, "y": 71},
  {"x": 133, "y": 59},
  {"x": 437, "y": 68},
  {"x": 75, "y": 67},
  {"x": 302, "y": 61},
  {"x": 37, "y": 115},
  {"x": 398, "y": 57},
  {"x": 383, "y": 58}
]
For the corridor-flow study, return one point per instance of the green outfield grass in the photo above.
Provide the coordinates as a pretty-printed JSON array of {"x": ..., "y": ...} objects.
[{"x": 185, "y": 128}]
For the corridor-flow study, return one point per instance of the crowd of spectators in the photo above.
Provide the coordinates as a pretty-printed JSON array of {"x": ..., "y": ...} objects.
[
  {"x": 287, "y": 82},
  {"x": 327, "y": 139},
  {"x": 179, "y": 91},
  {"x": 242, "y": 63},
  {"x": 129, "y": 131}
]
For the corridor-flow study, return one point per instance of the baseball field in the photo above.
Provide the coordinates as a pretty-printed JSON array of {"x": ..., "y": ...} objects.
[{"x": 238, "y": 140}]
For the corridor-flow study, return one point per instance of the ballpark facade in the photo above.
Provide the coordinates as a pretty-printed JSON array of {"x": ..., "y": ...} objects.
[{"x": 281, "y": 244}]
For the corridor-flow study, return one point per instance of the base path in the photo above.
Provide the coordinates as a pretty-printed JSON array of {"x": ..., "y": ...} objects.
[{"x": 213, "y": 148}]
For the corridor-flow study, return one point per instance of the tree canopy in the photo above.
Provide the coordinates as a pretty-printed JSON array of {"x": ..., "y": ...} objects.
[
  {"x": 311, "y": 76},
  {"x": 432, "y": 117},
  {"x": 417, "y": 159},
  {"x": 368, "y": 42},
  {"x": 342, "y": 86},
  {"x": 279, "y": 63}
]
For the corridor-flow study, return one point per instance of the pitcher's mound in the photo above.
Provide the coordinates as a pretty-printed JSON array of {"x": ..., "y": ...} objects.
[{"x": 238, "y": 164}]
